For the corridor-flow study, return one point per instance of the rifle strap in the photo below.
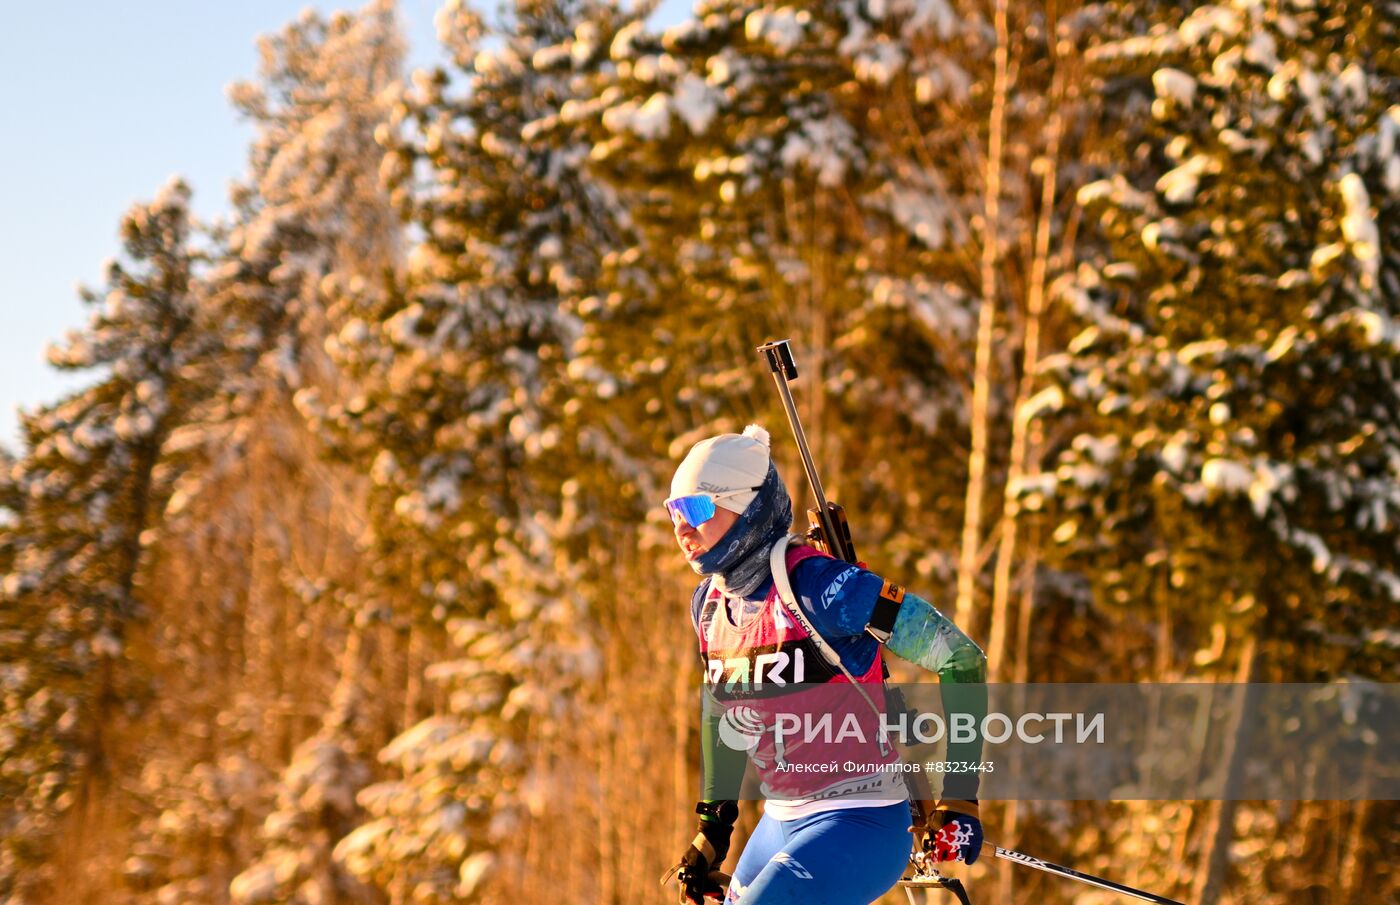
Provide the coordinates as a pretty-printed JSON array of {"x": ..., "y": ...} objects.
[{"x": 777, "y": 561}]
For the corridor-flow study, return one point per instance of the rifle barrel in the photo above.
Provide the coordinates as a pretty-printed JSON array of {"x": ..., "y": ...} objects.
[
  {"x": 784, "y": 367},
  {"x": 802, "y": 447}
]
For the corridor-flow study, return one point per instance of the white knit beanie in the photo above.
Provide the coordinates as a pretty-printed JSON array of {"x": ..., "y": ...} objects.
[{"x": 725, "y": 463}]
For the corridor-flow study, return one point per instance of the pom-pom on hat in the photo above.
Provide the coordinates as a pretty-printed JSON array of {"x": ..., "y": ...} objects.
[{"x": 723, "y": 465}]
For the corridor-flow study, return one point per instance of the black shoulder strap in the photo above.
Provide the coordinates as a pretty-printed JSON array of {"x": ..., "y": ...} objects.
[
  {"x": 882, "y": 618},
  {"x": 702, "y": 607}
]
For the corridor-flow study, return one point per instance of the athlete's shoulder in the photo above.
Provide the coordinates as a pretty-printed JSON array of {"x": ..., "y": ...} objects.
[
  {"x": 826, "y": 575},
  {"x": 839, "y": 595}
]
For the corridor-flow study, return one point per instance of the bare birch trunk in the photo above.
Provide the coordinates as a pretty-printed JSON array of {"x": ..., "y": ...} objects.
[
  {"x": 1020, "y": 464},
  {"x": 1351, "y": 875},
  {"x": 1210, "y": 879},
  {"x": 1020, "y": 675},
  {"x": 969, "y": 559},
  {"x": 413, "y": 676}
]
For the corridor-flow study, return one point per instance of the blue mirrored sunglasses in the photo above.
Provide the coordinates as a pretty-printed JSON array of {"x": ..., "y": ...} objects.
[{"x": 698, "y": 508}]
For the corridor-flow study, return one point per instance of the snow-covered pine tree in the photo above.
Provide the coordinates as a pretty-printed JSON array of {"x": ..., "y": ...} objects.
[
  {"x": 87, "y": 491},
  {"x": 310, "y": 223},
  {"x": 461, "y": 383},
  {"x": 188, "y": 821},
  {"x": 774, "y": 162},
  {"x": 1231, "y": 429},
  {"x": 1239, "y": 348},
  {"x": 457, "y": 368},
  {"x": 315, "y": 805},
  {"x": 311, "y": 214},
  {"x": 453, "y": 817}
]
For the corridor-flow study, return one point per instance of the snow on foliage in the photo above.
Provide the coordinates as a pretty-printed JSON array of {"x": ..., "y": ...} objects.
[
  {"x": 1176, "y": 85},
  {"x": 826, "y": 147},
  {"x": 1359, "y": 228},
  {"x": 186, "y": 809},
  {"x": 1226, "y": 476},
  {"x": 1242, "y": 349},
  {"x": 695, "y": 102},
  {"x": 924, "y": 215},
  {"x": 460, "y": 372},
  {"x": 310, "y": 203},
  {"x": 1179, "y": 186},
  {"x": 1219, "y": 427},
  {"x": 92, "y": 490},
  {"x": 650, "y": 119},
  {"x": 781, "y": 28},
  {"x": 315, "y": 805}
]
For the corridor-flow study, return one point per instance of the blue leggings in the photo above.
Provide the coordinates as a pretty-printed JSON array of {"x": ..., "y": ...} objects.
[{"x": 846, "y": 857}]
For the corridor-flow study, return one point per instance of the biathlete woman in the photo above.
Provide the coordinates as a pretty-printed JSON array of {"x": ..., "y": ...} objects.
[{"x": 845, "y": 843}]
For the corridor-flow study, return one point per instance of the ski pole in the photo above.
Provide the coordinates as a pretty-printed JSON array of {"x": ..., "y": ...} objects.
[
  {"x": 1060, "y": 870},
  {"x": 828, "y": 521}
]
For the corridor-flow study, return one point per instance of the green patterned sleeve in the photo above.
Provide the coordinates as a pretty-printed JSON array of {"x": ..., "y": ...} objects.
[{"x": 926, "y": 637}]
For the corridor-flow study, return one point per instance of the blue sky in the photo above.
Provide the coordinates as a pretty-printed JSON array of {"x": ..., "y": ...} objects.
[{"x": 103, "y": 102}]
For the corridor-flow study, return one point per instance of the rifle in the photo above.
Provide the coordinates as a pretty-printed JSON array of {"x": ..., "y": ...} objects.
[
  {"x": 829, "y": 531},
  {"x": 827, "y": 528}
]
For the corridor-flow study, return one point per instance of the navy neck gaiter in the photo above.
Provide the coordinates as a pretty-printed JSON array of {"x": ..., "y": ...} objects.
[{"x": 739, "y": 561}]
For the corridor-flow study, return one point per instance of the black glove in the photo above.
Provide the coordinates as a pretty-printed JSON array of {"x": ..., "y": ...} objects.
[{"x": 697, "y": 869}]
